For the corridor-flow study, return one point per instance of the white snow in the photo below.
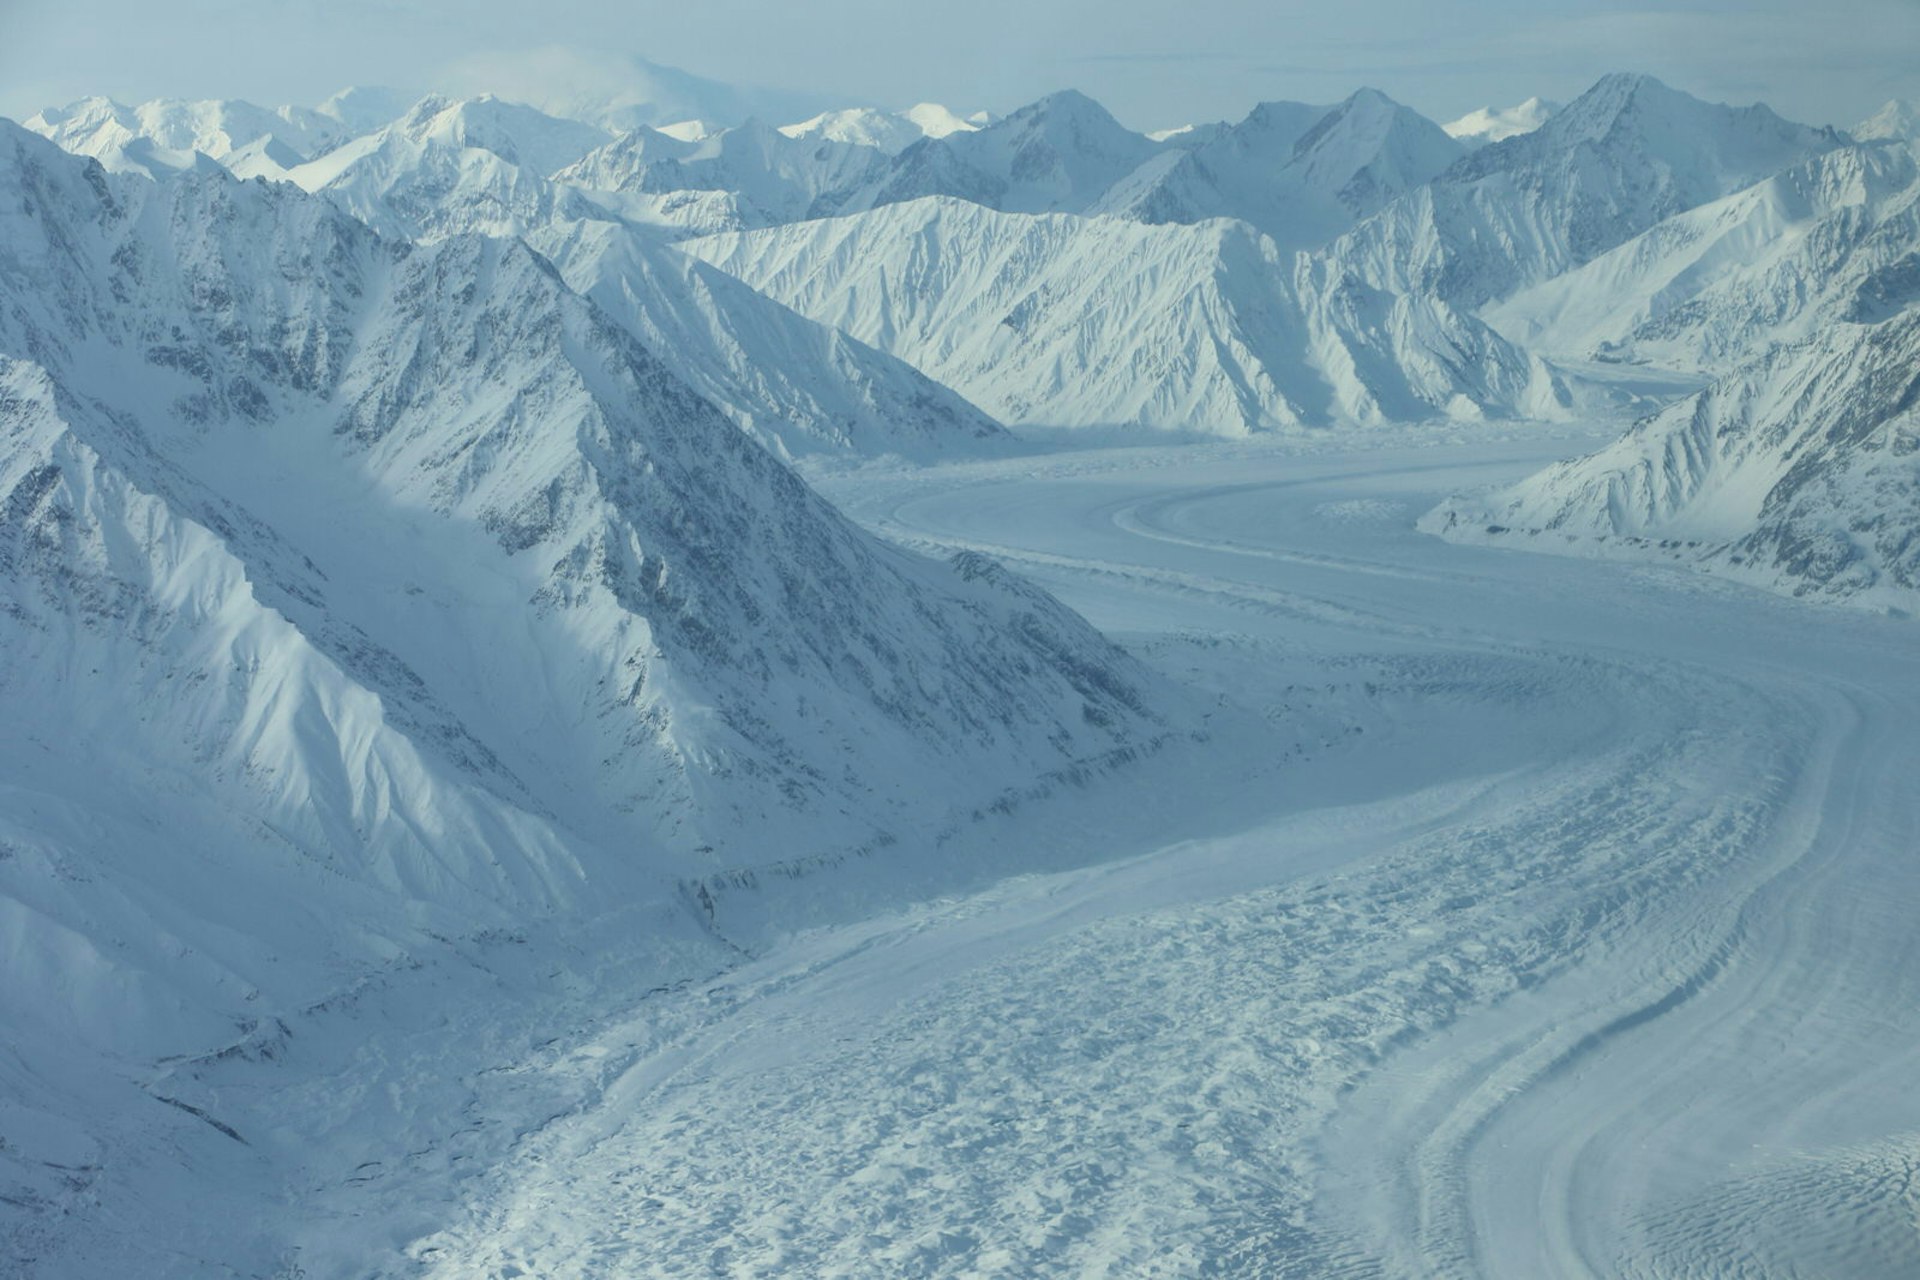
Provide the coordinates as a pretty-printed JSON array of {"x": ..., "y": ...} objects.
[
  {"x": 547, "y": 735},
  {"x": 1060, "y": 321},
  {"x": 1496, "y": 124}
]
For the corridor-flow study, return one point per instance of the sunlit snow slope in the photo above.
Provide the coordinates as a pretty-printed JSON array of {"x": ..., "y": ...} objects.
[
  {"x": 1800, "y": 471},
  {"x": 359, "y": 596},
  {"x": 1058, "y": 320}
]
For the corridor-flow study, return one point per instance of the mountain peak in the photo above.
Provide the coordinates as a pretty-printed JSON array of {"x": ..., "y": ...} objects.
[
  {"x": 1898, "y": 120},
  {"x": 1496, "y": 124},
  {"x": 1066, "y": 105}
]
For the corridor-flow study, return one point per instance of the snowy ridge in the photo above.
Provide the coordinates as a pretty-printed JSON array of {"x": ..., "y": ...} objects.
[
  {"x": 619, "y": 638},
  {"x": 1301, "y": 174},
  {"x": 796, "y": 386},
  {"x": 450, "y": 168},
  {"x": 1831, "y": 240},
  {"x": 888, "y": 131},
  {"x": 1623, "y": 156},
  {"x": 1897, "y": 121},
  {"x": 104, "y": 129},
  {"x": 468, "y": 379},
  {"x": 1060, "y": 154},
  {"x": 775, "y": 178},
  {"x": 1058, "y": 320},
  {"x": 1800, "y": 472}
]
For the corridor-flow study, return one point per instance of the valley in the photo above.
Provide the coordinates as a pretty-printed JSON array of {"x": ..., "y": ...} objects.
[{"x": 1492, "y": 969}]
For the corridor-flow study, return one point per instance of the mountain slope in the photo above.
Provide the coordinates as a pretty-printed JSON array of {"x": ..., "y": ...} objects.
[
  {"x": 1302, "y": 175},
  {"x": 451, "y": 168},
  {"x": 1623, "y": 156},
  {"x": 1056, "y": 320},
  {"x": 796, "y": 386},
  {"x": 1060, "y": 154},
  {"x": 1800, "y": 472},
  {"x": 1828, "y": 241},
  {"x": 415, "y": 565}
]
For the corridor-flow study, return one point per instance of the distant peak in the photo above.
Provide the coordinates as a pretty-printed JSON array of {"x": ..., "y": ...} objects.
[
  {"x": 1898, "y": 119},
  {"x": 1366, "y": 97},
  {"x": 1065, "y": 104},
  {"x": 1496, "y": 124}
]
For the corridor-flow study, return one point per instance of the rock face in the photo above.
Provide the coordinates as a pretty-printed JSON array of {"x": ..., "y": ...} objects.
[
  {"x": 1623, "y": 156},
  {"x": 1066, "y": 321},
  {"x": 1800, "y": 472},
  {"x": 403, "y": 581}
]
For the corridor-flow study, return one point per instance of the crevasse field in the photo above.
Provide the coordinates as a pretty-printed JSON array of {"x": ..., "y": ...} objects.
[{"x": 1565, "y": 936}]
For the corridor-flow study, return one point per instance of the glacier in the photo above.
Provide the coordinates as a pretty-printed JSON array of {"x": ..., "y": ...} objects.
[{"x": 610, "y": 674}]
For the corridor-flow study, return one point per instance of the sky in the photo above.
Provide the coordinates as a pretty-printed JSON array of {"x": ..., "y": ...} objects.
[{"x": 1154, "y": 63}]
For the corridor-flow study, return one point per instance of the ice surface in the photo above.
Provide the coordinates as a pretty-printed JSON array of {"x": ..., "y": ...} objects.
[{"x": 526, "y": 755}]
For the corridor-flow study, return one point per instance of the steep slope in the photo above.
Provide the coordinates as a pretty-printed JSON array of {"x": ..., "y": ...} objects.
[
  {"x": 1623, "y": 156},
  {"x": 361, "y": 602},
  {"x": 1055, "y": 320},
  {"x": 1301, "y": 174},
  {"x": 1061, "y": 154},
  {"x": 448, "y": 168},
  {"x": 234, "y": 334},
  {"x": 1800, "y": 472},
  {"x": 1828, "y": 241},
  {"x": 796, "y": 386}
]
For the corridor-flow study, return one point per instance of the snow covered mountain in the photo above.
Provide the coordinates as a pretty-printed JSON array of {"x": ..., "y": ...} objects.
[
  {"x": 888, "y": 131},
  {"x": 409, "y": 569},
  {"x": 1300, "y": 174},
  {"x": 1060, "y": 154},
  {"x": 103, "y": 129},
  {"x": 1056, "y": 320},
  {"x": 1800, "y": 472},
  {"x": 620, "y": 92},
  {"x": 770, "y": 176},
  {"x": 452, "y": 168},
  {"x": 1897, "y": 120},
  {"x": 1622, "y": 157},
  {"x": 1479, "y": 127},
  {"x": 796, "y": 386},
  {"x": 1832, "y": 240}
]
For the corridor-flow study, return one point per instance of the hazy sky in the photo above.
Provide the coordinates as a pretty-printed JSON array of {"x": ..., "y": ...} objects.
[{"x": 1153, "y": 62}]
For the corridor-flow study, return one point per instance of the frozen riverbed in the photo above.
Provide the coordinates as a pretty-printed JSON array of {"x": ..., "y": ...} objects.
[
  {"x": 1526, "y": 917},
  {"x": 1593, "y": 954}
]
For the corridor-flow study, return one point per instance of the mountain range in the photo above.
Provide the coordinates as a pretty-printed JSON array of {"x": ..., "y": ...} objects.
[
  {"x": 416, "y": 572},
  {"x": 409, "y": 538}
]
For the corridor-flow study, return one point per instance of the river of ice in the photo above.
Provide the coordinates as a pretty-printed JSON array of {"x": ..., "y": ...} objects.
[{"x": 1535, "y": 917}]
